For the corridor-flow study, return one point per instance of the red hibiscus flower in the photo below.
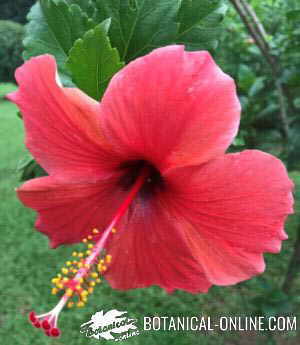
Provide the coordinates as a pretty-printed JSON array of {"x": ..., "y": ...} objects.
[{"x": 150, "y": 160}]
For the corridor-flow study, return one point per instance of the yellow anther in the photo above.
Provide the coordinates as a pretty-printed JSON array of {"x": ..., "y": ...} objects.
[
  {"x": 101, "y": 261},
  {"x": 69, "y": 292},
  {"x": 78, "y": 287},
  {"x": 104, "y": 268},
  {"x": 84, "y": 293},
  {"x": 84, "y": 240},
  {"x": 79, "y": 264},
  {"x": 60, "y": 286},
  {"x": 74, "y": 270},
  {"x": 87, "y": 265},
  {"x": 69, "y": 263},
  {"x": 54, "y": 291},
  {"x": 95, "y": 231},
  {"x": 59, "y": 275},
  {"x": 55, "y": 280},
  {"x": 80, "y": 304},
  {"x": 108, "y": 258},
  {"x": 88, "y": 252},
  {"x": 70, "y": 304},
  {"x": 90, "y": 237},
  {"x": 98, "y": 280},
  {"x": 80, "y": 255},
  {"x": 81, "y": 280},
  {"x": 90, "y": 246},
  {"x": 74, "y": 254},
  {"x": 92, "y": 283},
  {"x": 94, "y": 275},
  {"x": 74, "y": 262},
  {"x": 65, "y": 270},
  {"x": 65, "y": 279},
  {"x": 84, "y": 299},
  {"x": 113, "y": 230},
  {"x": 90, "y": 290}
]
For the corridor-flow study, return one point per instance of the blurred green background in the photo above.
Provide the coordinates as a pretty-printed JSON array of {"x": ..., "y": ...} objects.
[{"x": 269, "y": 122}]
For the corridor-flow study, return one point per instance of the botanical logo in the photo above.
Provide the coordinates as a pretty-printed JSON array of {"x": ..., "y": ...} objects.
[{"x": 107, "y": 325}]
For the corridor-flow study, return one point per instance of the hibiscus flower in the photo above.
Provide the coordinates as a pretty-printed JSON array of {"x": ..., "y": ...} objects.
[{"x": 148, "y": 165}]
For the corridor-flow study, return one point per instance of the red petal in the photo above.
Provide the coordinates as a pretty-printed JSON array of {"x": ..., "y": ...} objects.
[
  {"x": 68, "y": 212},
  {"x": 235, "y": 207},
  {"x": 223, "y": 263},
  {"x": 149, "y": 249},
  {"x": 61, "y": 125},
  {"x": 172, "y": 108}
]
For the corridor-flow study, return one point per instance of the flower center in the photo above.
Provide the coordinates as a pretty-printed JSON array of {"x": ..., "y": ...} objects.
[
  {"x": 81, "y": 275},
  {"x": 131, "y": 170}
]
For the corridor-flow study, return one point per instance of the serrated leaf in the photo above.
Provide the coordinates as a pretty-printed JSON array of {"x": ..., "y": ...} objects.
[
  {"x": 138, "y": 26},
  {"x": 199, "y": 23},
  {"x": 93, "y": 62},
  {"x": 39, "y": 39},
  {"x": 54, "y": 26},
  {"x": 87, "y": 6},
  {"x": 66, "y": 22}
]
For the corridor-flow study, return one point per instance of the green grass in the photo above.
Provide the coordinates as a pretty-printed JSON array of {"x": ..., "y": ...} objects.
[
  {"x": 27, "y": 265},
  {"x": 6, "y": 88}
]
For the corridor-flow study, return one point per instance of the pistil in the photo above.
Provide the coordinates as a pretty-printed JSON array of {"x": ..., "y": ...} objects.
[{"x": 88, "y": 267}]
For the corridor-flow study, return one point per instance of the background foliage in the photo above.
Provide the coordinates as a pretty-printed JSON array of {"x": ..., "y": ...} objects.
[
  {"x": 11, "y": 35},
  {"x": 72, "y": 30},
  {"x": 15, "y": 10},
  {"x": 261, "y": 126}
]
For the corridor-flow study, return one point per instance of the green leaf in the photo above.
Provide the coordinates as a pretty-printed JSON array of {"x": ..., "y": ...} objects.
[
  {"x": 66, "y": 22},
  {"x": 93, "y": 61},
  {"x": 87, "y": 6},
  {"x": 39, "y": 39},
  {"x": 199, "y": 23},
  {"x": 54, "y": 26},
  {"x": 30, "y": 169},
  {"x": 138, "y": 26},
  {"x": 191, "y": 12}
]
